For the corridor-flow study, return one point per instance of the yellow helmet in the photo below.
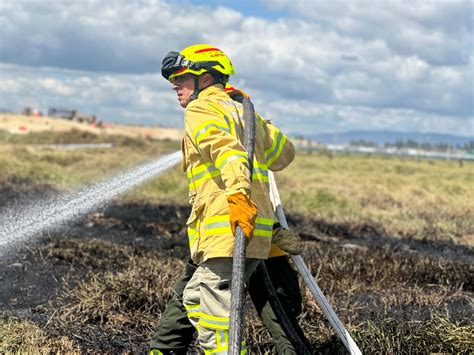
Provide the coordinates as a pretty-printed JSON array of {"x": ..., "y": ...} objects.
[{"x": 196, "y": 59}]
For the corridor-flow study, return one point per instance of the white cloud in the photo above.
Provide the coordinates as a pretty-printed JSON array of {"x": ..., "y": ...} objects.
[
  {"x": 343, "y": 118},
  {"x": 413, "y": 68},
  {"x": 54, "y": 87},
  {"x": 145, "y": 98},
  {"x": 325, "y": 66},
  {"x": 437, "y": 31}
]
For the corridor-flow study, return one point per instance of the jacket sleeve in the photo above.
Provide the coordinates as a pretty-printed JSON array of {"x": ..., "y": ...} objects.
[
  {"x": 211, "y": 134},
  {"x": 279, "y": 150}
]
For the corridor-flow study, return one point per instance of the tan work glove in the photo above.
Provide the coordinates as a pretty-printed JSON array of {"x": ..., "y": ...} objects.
[
  {"x": 287, "y": 240},
  {"x": 243, "y": 213}
]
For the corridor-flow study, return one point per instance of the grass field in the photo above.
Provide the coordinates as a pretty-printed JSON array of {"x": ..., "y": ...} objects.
[
  {"x": 404, "y": 197},
  {"x": 389, "y": 240}
]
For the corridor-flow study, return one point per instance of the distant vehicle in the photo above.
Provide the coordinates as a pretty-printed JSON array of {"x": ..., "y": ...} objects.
[
  {"x": 72, "y": 115},
  {"x": 61, "y": 113}
]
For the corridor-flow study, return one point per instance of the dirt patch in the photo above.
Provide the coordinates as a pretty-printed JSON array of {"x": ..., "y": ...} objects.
[
  {"x": 102, "y": 285},
  {"x": 104, "y": 241},
  {"x": 17, "y": 191},
  {"x": 369, "y": 235},
  {"x": 19, "y": 124}
]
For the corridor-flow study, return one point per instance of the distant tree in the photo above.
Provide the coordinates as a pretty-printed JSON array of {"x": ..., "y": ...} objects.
[
  {"x": 362, "y": 143},
  {"x": 426, "y": 146},
  {"x": 440, "y": 147},
  {"x": 469, "y": 146},
  {"x": 399, "y": 143},
  {"x": 410, "y": 143},
  {"x": 443, "y": 147}
]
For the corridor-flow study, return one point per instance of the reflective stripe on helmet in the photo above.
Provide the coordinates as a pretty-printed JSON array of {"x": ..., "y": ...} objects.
[{"x": 207, "y": 50}]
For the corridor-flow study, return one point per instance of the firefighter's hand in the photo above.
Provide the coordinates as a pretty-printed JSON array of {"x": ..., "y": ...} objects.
[
  {"x": 287, "y": 240},
  {"x": 243, "y": 213}
]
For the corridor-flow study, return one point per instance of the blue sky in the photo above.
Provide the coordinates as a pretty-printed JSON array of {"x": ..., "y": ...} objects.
[
  {"x": 248, "y": 8},
  {"x": 310, "y": 66}
]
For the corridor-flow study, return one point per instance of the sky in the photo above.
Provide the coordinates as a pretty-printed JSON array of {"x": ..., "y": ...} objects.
[{"x": 309, "y": 66}]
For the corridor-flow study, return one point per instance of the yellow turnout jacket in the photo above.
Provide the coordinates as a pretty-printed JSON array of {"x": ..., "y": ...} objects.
[{"x": 216, "y": 165}]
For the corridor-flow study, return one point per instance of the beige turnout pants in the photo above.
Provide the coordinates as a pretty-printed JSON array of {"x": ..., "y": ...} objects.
[{"x": 207, "y": 302}]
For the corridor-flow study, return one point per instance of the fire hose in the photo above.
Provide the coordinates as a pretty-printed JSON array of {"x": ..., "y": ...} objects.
[{"x": 238, "y": 266}]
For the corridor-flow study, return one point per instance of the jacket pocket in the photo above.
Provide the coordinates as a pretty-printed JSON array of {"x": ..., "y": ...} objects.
[
  {"x": 194, "y": 228},
  {"x": 196, "y": 211},
  {"x": 194, "y": 221}
]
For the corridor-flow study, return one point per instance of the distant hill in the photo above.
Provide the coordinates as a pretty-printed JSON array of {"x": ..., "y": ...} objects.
[{"x": 382, "y": 137}]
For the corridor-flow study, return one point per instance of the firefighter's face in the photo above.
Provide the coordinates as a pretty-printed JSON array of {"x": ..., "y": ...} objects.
[{"x": 184, "y": 87}]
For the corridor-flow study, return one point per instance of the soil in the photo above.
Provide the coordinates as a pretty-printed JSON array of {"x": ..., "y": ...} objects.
[
  {"x": 44, "y": 278},
  {"x": 31, "y": 277}
]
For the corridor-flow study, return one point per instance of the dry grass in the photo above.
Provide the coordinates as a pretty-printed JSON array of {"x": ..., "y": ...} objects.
[
  {"x": 25, "y": 337},
  {"x": 120, "y": 305},
  {"x": 68, "y": 169},
  {"x": 391, "y": 301},
  {"x": 406, "y": 197},
  {"x": 381, "y": 235},
  {"x": 438, "y": 334}
]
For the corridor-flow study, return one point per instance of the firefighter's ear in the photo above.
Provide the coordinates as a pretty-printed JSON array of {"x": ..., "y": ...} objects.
[{"x": 206, "y": 80}]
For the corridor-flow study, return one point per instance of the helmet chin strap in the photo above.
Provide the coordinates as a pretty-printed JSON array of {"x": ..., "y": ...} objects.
[{"x": 196, "y": 91}]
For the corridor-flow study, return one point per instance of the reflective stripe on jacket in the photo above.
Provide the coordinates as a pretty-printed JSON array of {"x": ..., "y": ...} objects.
[{"x": 216, "y": 165}]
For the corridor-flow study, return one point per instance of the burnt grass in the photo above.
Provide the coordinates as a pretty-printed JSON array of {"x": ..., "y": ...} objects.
[{"x": 105, "y": 280}]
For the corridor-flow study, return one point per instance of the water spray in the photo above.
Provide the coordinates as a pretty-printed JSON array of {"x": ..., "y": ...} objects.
[{"x": 19, "y": 226}]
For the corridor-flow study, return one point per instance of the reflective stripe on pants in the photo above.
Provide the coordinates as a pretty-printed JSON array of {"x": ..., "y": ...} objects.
[{"x": 209, "y": 291}]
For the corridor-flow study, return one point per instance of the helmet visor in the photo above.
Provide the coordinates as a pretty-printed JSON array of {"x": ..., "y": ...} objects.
[{"x": 171, "y": 63}]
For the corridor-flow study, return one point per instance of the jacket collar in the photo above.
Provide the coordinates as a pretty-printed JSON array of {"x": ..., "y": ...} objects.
[{"x": 211, "y": 90}]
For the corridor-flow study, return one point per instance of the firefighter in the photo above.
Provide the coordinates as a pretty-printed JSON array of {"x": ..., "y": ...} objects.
[
  {"x": 220, "y": 189},
  {"x": 175, "y": 333}
]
